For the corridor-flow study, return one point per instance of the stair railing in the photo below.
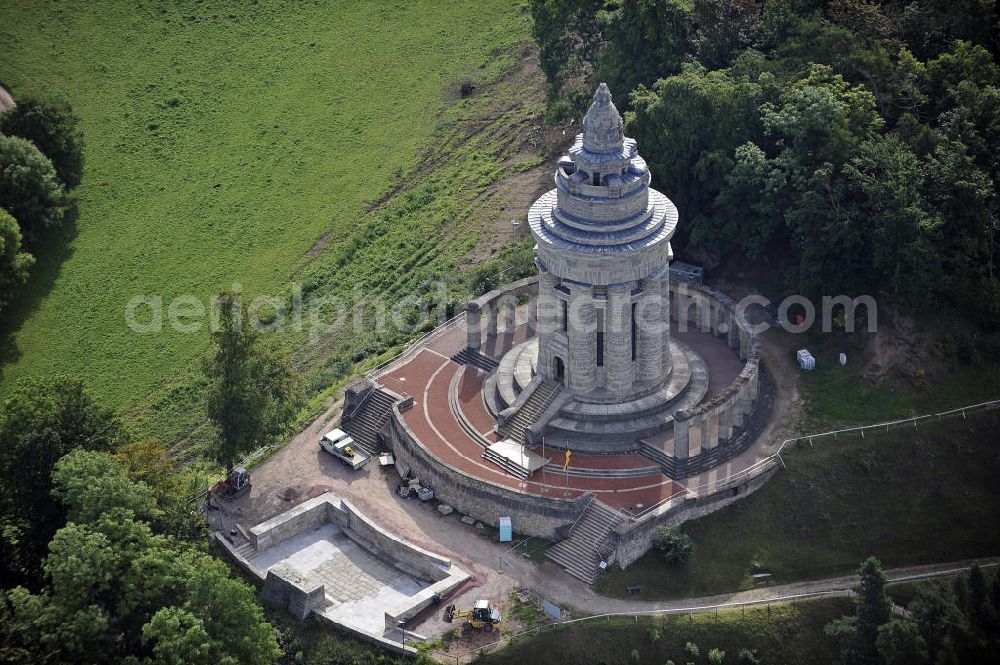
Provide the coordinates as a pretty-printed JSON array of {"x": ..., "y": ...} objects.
[
  {"x": 364, "y": 400},
  {"x": 599, "y": 544},
  {"x": 572, "y": 528}
]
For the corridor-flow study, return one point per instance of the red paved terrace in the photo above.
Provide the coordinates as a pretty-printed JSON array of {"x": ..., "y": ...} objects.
[{"x": 429, "y": 375}]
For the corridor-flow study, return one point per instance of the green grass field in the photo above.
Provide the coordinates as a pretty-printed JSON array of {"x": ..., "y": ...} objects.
[
  {"x": 786, "y": 634},
  {"x": 223, "y": 141},
  {"x": 909, "y": 496},
  {"x": 837, "y": 397}
]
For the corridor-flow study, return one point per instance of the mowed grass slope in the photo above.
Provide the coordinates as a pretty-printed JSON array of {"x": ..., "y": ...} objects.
[
  {"x": 908, "y": 496},
  {"x": 223, "y": 140},
  {"x": 785, "y": 634}
]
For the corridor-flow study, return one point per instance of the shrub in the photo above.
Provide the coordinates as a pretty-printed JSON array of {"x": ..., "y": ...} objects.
[
  {"x": 675, "y": 547},
  {"x": 692, "y": 650},
  {"x": 716, "y": 656}
]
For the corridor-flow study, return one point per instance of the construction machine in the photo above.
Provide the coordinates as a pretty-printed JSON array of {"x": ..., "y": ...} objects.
[
  {"x": 234, "y": 486},
  {"x": 482, "y": 616}
]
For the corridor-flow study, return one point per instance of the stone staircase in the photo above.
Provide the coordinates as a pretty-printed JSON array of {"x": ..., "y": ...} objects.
[
  {"x": 670, "y": 466},
  {"x": 580, "y": 554},
  {"x": 367, "y": 422},
  {"x": 531, "y": 411},
  {"x": 475, "y": 358},
  {"x": 246, "y": 549}
]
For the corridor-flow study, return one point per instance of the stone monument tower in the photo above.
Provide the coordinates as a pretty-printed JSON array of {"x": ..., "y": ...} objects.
[{"x": 603, "y": 251}]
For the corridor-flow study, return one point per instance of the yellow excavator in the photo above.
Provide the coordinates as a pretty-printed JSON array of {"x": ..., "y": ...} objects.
[{"x": 482, "y": 616}]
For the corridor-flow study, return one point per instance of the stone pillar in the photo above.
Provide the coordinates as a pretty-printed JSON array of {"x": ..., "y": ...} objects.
[
  {"x": 682, "y": 427},
  {"x": 744, "y": 346},
  {"x": 618, "y": 367},
  {"x": 725, "y": 422},
  {"x": 733, "y": 334},
  {"x": 549, "y": 313},
  {"x": 665, "y": 335},
  {"x": 582, "y": 340},
  {"x": 473, "y": 326},
  {"x": 706, "y": 439},
  {"x": 739, "y": 407},
  {"x": 704, "y": 314},
  {"x": 508, "y": 305},
  {"x": 491, "y": 325},
  {"x": 649, "y": 337}
]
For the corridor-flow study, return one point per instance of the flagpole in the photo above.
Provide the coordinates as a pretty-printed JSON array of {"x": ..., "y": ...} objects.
[{"x": 566, "y": 471}]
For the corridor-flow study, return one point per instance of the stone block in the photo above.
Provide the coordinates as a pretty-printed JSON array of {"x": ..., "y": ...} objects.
[
  {"x": 445, "y": 509},
  {"x": 468, "y": 520}
]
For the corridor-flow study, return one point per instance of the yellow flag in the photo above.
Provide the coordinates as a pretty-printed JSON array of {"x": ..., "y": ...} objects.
[{"x": 566, "y": 464}]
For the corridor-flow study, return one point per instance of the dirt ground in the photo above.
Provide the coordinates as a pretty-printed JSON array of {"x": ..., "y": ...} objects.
[{"x": 301, "y": 471}]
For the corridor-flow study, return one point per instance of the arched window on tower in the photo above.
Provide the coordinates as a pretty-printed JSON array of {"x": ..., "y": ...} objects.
[{"x": 600, "y": 337}]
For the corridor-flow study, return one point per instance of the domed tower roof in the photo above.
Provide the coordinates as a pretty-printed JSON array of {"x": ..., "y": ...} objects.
[
  {"x": 603, "y": 223},
  {"x": 602, "y": 126}
]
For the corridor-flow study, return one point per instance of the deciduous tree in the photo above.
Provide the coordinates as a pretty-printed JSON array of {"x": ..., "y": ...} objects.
[
  {"x": 54, "y": 129},
  {"x": 253, "y": 391},
  {"x": 40, "y": 421},
  {"x": 15, "y": 263},
  {"x": 30, "y": 190}
]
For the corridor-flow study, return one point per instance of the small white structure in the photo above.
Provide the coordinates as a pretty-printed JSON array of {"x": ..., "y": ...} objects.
[
  {"x": 806, "y": 360},
  {"x": 843, "y": 359}
]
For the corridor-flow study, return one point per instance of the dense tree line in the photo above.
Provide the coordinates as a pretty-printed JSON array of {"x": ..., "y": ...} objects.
[
  {"x": 104, "y": 555},
  {"x": 102, "y": 549},
  {"x": 850, "y": 145},
  {"x": 948, "y": 623},
  {"x": 41, "y": 161}
]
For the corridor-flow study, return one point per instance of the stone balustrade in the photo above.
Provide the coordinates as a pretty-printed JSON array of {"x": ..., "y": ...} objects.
[
  {"x": 716, "y": 313},
  {"x": 499, "y": 306}
]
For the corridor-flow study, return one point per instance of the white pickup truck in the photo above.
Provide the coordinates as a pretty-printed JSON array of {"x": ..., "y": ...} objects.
[{"x": 340, "y": 444}]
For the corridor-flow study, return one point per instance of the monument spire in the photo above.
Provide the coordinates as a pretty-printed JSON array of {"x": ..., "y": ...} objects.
[{"x": 602, "y": 126}]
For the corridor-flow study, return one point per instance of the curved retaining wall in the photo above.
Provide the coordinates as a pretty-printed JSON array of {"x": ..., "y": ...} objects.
[
  {"x": 531, "y": 515},
  {"x": 634, "y": 537}
]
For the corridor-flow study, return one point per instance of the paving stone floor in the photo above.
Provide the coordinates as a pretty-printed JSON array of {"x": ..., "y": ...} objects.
[{"x": 359, "y": 586}]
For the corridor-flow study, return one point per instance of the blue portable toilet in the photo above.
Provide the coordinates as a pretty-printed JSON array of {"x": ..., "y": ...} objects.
[{"x": 506, "y": 533}]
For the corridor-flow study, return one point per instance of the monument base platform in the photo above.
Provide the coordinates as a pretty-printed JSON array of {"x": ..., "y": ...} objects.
[{"x": 591, "y": 426}]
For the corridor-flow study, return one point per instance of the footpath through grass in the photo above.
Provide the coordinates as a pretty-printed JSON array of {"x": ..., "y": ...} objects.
[
  {"x": 786, "y": 634},
  {"x": 231, "y": 143},
  {"x": 908, "y": 496}
]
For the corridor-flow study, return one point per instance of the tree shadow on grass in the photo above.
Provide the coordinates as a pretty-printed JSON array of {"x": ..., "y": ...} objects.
[{"x": 50, "y": 254}]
